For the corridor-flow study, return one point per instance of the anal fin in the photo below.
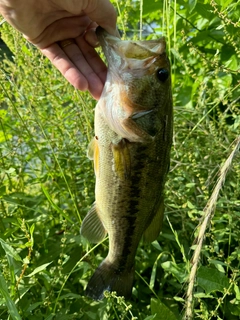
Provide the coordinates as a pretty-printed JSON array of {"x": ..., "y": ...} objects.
[
  {"x": 92, "y": 227},
  {"x": 155, "y": 226}
]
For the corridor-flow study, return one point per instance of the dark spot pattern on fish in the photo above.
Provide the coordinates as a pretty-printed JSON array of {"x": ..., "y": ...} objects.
[
  {"x": 127, "y": 245},
  {"x": 132, "y": 210}
]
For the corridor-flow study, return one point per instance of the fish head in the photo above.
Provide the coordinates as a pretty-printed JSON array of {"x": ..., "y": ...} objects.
[{"x": 139, "y": 69}]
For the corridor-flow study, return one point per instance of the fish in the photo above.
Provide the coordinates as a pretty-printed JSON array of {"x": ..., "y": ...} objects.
[{"x": 131, "y": 151}]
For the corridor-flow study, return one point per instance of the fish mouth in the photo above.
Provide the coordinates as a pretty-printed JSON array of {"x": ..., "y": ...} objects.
[{"x": 129, "y": 55}]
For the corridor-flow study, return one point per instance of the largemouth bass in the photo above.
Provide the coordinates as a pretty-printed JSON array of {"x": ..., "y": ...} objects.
[{"x": 131, "y": 153}]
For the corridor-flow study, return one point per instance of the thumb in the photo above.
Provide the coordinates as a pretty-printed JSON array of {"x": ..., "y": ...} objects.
[{"x": 104, "y": 14}]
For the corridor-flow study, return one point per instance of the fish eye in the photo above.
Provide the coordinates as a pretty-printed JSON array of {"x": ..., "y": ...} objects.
[{"x": 162, "y": 74}]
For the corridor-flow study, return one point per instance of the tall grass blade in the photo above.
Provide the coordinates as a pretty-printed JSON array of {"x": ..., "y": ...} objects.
[{"x": 208, "y": 214}]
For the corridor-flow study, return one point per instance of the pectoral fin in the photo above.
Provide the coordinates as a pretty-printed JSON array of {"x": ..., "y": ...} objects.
[
  {"x": 154, "y": 228},
  {"x": 93, "y": 153},
  {"x": 148, "y": 121},
  {"x": 122, "y": 159},
  {"x": 133, "y": 131},
  {"x": 92, "y": 227},
  {"x": 90, "y": 150}
]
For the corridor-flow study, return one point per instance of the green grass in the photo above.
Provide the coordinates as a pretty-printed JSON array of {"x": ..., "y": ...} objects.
[{"x": 47, "y": 182}]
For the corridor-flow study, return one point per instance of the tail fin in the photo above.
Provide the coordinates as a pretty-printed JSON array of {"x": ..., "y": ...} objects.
[{"x": 108, "y": 278}]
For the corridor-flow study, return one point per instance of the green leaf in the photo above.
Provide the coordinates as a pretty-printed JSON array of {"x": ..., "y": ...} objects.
[
  {"x": 151, "y": 6},
  {"x": 232, "y": 63},
  {"x": 59, "y": 210},
  {"x": 161, "y": 311},
  {"x": 26, "y": 50},
  {"x": 50, "y": 317},
  {"x": 91, "y": 315},
  {"x": 223, "y": 3},
  {"x": 31, "y": 233},
  {"x": 237, "y": 291},
  {"x": 192, "y": 5},
  {"x": 34, "y": 306},
  {"x": 190, "y": 185},
  {"x": 70, "y": 296},
  {"x": 39, "y": 269},
  {"x": 151, "y": 317},
  {"x": 8, "y": 301},
  {"x": 218, "y": 265},
  {"x": 2, "y": 188},
  {"x": 10, "y": 251},
  {"x": 156, "y": 245},
  {"x": 10, "y": 170},
  {"x": 177, "y": 270},
  {"x": 190, "y": 205},
  {"x": 212, "y": 280},
  {"x": 205, "y": 10}
]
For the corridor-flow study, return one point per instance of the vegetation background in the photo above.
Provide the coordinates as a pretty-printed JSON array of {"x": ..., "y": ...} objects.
[{"x": 47, "y": 182}]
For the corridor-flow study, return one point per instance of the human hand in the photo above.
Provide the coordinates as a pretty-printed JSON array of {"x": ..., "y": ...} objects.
[{"x": 46, "y": 23}]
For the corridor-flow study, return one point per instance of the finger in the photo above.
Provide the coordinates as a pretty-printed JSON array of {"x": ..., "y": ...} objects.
[
  {"x": 75, "y": 68},
  {"x": 91, "y": 66},
  {"x": 65, "y": 28},
  {"x": 103, "y": 14},
  {"x": 91, "y": 38},
  {"x": 60, "y": 60}
]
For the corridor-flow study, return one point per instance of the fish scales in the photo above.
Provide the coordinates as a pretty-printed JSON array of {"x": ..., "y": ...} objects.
[{"x": 131, "y": 153}]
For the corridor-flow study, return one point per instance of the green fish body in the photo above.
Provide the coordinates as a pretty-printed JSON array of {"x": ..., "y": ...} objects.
[{"x": 131, "y": 153}]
